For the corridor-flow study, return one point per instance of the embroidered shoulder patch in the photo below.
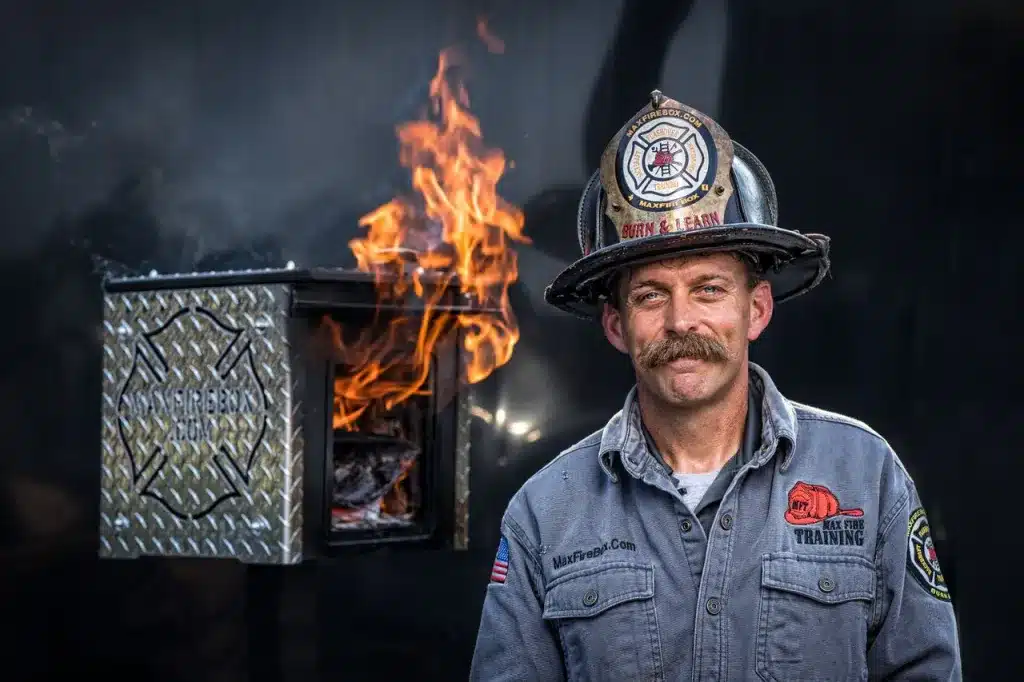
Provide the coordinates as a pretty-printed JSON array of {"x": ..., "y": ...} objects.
[
  {"x": 922, "y": 560},
  {"x": 499, "y": 571}
]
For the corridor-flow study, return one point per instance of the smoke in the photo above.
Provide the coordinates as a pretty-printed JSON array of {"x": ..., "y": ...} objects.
[
  {"x": 271, "y": 148},
  {"x": 58, "y": 138}
]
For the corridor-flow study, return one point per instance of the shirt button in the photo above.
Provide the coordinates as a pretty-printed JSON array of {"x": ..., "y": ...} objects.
[
  {"x": 714, "y": 606},
  {"x": 590, "y": 598},
  {"x": 686, "y": 525},
  {"x": 726, "y": 521},
  {"x": 826, "y": 584}
]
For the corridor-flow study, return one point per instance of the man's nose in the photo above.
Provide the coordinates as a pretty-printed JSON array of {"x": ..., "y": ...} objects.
[{"x": 681, "y": 314}]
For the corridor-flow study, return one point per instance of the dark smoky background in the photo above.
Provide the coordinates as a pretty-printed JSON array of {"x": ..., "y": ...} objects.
[{"x": 146, "y": 135}]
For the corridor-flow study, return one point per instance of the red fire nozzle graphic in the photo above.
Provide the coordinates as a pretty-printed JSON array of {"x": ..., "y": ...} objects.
[{"x": 814, "y": 503}]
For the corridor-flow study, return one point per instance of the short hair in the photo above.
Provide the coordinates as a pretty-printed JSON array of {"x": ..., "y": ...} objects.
[{"x": 755, "y": 275}]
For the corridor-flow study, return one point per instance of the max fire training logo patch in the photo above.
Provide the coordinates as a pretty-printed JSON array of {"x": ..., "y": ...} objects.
[
  {"x": 667, "y": 161},
  {"x": 922, "y": 559},
  {"x": 812, "y": 504}
]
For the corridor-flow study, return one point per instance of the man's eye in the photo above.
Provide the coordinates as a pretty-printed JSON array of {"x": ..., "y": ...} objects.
[
  {"x": 644, "y": 297},
  {"x": 712, "y": 289}
]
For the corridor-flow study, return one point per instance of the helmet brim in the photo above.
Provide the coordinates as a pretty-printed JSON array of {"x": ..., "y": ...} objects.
[{"x": 797, "y": 262}]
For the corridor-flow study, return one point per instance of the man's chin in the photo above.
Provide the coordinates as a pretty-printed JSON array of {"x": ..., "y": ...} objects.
[{"x": 679, "y": 387}]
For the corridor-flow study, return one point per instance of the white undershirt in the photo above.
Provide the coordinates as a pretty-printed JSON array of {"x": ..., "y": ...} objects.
[{"x": 693, "y": 486}]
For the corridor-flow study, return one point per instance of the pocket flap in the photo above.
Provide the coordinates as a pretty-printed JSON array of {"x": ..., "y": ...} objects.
[
  {"x": 829, "y": 579},
  {"x": 591, "y": 591}
]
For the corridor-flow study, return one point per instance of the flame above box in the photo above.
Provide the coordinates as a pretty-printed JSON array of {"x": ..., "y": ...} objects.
[{"x": 457, "y": 229}]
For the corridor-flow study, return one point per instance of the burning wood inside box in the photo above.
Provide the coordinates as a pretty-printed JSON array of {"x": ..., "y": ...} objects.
[
  {"x": 378, "y": 464},
  {"x": 377, "y": 468}
]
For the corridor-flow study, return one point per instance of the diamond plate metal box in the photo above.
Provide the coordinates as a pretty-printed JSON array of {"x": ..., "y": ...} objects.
[
  {"x": 216, "y": 419},
  {"x": 202, "y": 447}
]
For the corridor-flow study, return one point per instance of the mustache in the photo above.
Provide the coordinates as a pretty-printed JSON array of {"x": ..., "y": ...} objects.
[{"x": 677, "y": 346}]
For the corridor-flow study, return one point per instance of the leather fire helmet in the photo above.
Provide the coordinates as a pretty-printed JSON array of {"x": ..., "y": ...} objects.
[{"x": 672, "y": 183}]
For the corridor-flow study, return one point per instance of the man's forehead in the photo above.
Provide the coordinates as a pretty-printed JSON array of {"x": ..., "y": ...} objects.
[{"x": 725, "y": 264}]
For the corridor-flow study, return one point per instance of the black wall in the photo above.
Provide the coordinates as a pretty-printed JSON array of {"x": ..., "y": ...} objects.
[{"x": 177, "y": 136}]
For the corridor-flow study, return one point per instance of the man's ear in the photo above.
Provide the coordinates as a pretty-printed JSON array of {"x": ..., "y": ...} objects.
[
  {"x": 762, "y": 305},
  {"x": 614, "y": 327}
]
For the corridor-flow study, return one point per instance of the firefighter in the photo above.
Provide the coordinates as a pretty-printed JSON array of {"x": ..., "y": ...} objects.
[{"x": 713, "y": 529}]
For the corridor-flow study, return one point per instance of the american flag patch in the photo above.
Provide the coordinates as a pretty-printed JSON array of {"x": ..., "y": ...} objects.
[{"x": 499, "y": 571}]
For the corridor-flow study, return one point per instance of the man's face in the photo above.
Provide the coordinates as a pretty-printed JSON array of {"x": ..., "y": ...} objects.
[{"x": 686, "y": 324}]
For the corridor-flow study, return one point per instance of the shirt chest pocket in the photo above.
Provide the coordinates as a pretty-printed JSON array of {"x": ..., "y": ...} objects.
[
  {"x": 607, "y": 623},
  {"x": 813, "y": 617}
]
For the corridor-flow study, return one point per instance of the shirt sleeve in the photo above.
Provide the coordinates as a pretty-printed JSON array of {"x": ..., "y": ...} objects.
[
  {"x": 514, "y": 642},
  {"x": 915, "y": 630}
]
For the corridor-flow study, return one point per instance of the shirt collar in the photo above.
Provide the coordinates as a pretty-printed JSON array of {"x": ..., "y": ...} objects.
[{"x": 623, "y": 436}]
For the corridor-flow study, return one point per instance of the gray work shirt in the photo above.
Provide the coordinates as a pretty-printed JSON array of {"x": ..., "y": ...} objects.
[
  {"x": 707, "y": 507},
  {"x": 812, "y": 560}
]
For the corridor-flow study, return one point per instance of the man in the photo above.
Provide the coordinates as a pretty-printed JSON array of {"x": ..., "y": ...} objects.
[{"x": 713, "y": 529}]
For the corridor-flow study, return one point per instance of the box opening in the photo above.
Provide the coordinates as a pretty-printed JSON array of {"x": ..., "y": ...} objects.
[
  {"x": 384, "y": 447},
  {"x": 379, "y": 467}
]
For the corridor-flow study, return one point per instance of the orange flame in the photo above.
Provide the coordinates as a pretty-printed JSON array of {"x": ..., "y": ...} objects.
[{"x": 458, "y": 231}]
